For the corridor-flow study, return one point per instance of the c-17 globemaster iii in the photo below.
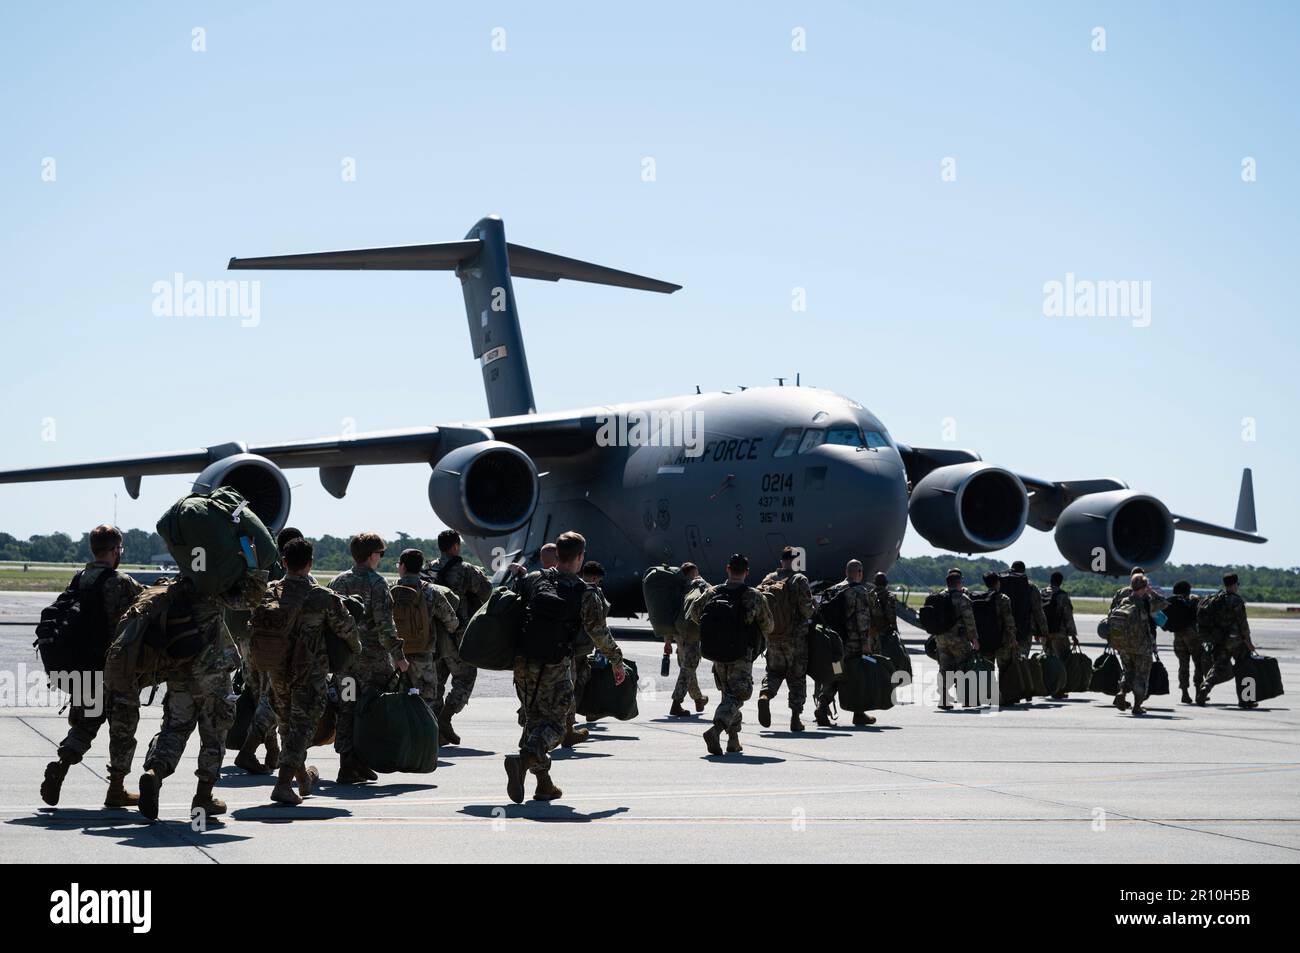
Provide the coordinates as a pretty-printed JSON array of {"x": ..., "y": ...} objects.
[{"x": 694, "y": 478}]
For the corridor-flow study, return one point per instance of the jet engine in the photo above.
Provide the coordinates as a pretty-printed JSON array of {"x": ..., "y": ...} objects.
[
  {"x": 260, "y": 481},
  {"x": 484, "y": 489},
  {"x": 969, "y": 507},
  {"x": 1113, "y": 531}
]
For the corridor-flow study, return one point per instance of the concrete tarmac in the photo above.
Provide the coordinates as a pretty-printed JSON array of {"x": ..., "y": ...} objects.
[{"x": 1073, "y": 781}]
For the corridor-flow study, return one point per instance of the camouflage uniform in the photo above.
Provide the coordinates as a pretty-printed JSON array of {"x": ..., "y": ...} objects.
[
  {"x": 883, "y": 608},
  {"x": 1190, "y": 653},
  {"x": 787, "y": 652},
  {"x": 954, "y": 646},
  {"x": 299, "y": 690},
  {"x": 256, "y": 683},
  {"x": 1136, "y": 646},
  {"x": 1010, "y": 646},
  {"x": 1058, "y": 643},
  {"x": 1037, "y": 618},
  {"x": 443, "y": 622},
  {"x": 120, "y": 709},
  {"x": 198, "y": 694},
  {"x": 546, "y": 690},
  {"x": 1225, "y": 654},
  {"x": 473, "y": 588},
  {"x": 862, "y": 607},
  {"x": 371, "y": 669},
  {"x": 582, "y": 664},
  {"x": 735, "y": 680},
  {"x": 688, "y": 656}
]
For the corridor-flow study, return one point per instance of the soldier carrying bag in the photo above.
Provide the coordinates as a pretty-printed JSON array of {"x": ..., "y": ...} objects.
[
  {"x": 1214, "y": 618},
  {"x": 492, "y": 633},
  {"x": 781, "y": 600},
  {"x": 73, "y": 633},
  {"x": 552, "y": 618},
  {"x": 1015, "y": 587},
  {"x": 664, "y": 588},
  {"x": 988, "y": 627},
  {"x": 214, "y": 538},
  {"x": 937, "y": 612},
  {"x": 724, "y": 636},
  {"x": 156, "y": 636}
]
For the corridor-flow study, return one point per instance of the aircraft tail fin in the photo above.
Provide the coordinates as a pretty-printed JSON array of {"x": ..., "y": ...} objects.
[
  {"x": 1245, "y": 520},
  {"x": 485, "y": 263}
]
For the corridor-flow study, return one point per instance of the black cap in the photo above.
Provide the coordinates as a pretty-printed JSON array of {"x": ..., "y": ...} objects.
[
  {"x": 738, "y": 563},
  {"x": 954, "y": 573},
  {"x": 592, "y": 568},
  {"x": 788, "y": 553},
  {"x": 1018, "y": 566},
  {"x": 882, "y": 579}
]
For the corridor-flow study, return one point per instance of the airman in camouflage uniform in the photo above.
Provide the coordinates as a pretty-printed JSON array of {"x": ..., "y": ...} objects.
[
  {"x": 1228, "y": 649},
  {"x": 954, "y": 647},
  {"x": 1037, "y": 618},
  {"x": 787, "y": 652},
  {"x": 372, "y": 669},
  {"x": 1136, "y": 644},
  {"x": 1058, "y": 642},
  {"x": 735, "y": 680},
  {"x": 1188, "y": 648},
  {"x": 299, "y": 690},
  {"x": 198, "y": 695},
  {"x": 688, "y": 654},
  {"x": 443, "y": 623},
  {"x": 857, "y": 635},
  {"x": 121, "y": 710},
  {"x": 472, "y": 587},
  {"x": 592, "y": 573},
  {"x": 546, "y": 688},
  {"x": 1010, "y": 646}
]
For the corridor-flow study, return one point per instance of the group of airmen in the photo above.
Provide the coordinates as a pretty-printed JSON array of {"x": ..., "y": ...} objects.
[{"x": 433, "y": 601}]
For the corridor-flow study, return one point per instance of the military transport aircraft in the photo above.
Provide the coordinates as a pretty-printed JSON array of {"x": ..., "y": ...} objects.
[{"x": 683, "y": 478}]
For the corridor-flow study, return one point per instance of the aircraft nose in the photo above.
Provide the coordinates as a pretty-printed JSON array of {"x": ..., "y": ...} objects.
[{"x": 868, "y": 502}]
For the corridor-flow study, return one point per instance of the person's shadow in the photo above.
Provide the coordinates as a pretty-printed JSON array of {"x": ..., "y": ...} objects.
[
  {"x": 284, "y": 814},
  {"x": 369, "y": 792},
  {"x": 130, "y": 829},
  {"x": 741, "y": 758},
  {"x": 538, "y": 811}
]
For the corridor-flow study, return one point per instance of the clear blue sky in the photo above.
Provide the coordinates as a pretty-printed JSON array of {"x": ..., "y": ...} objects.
[{"x": 776, "y": 169}]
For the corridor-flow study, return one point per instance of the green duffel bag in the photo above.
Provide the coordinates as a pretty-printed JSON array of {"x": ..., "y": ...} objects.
[
  {"x": 1014, "y": 682},
  {"x": 394, "y": 731},
  {"x": 493, "y": 631},
  {"x": 880, "y": 683},
  {"x": 1037, "y": 685},
  {"x": 1258, "y": 679},
  {"x": 891, "y": 646},
  {"x": 825, "y": 654},
  {"x": 975, "y": 682},
  {"x": 687, "y": 629},
  {"x": 1054, "y": 674},
  {"x": 206, "y": 535},
  {"x": 603, "y": 699},
  {"x": 1078, "y": 672},
  {"x": 664, "y": 588},
  {"x": 1106, "y": 673},
  {"x": 853, "y": 689}
]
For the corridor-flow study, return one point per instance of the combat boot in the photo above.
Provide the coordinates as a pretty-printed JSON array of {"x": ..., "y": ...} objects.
[
  {"x": 149, "y": 786},
  {"x": 446, "y": 734},
  {"x": 1187, "y": 699},
  {"x": 711, "y": 739},
  {"x": 367, "y": 772},
  {"x": 1121, "y": 702},
  {"x": 795, "y": 723},
  {"x": 701, "y": 702},
  {"x": 272, "y": 751},
  {"x": 118, "y": 795},
  {"x": 546, "y": 789},
  {"x": 822, "y": 715},
  {"x": 733, "y": 742},
  {"x": 55, "y": 772},
  {"x": 764, "y": 711},
  {"x": 203, "y": 799},
  {"x": 283, "y": 793},
  {"x": 247, "y": 758},
  {"x": 574, "y": 736},
  {"x": 516, "y": 767},
  {"x": 1138, "y": 709},
  {"x": 307, "y": 778},
  {"x": 1202, "y": 696},
  {"x": 862, "y": 719},
  {"x": 677, "y": 711},
  {"x": 349, "y": 771}
]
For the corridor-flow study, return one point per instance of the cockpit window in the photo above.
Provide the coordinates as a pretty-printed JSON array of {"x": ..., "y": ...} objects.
[
  {"x": 876, "y": 440},
  {"x": 844, "y": 437},
  {"x": 788, "y": 442},
  {"x": 811, "y": 438}
]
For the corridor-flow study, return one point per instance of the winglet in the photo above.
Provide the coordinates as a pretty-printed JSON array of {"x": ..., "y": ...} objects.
[{"x": 1246, "y": 504}]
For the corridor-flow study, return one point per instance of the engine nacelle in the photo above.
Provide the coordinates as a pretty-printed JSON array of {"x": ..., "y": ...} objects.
[
  {"x": 969, "y": 507},
  {"x": 484, "y": 489},
  {"x": 1114, "y": 531},
  {"x": 260, "y": 481}
]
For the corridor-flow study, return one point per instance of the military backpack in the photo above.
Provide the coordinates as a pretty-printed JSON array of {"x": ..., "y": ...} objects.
[
  {"x": 552, "y": 617},
  {"x": 1214, "y": 617},
  {"x": 781, "y": 598},
  {"x": 938, "y": 615},
  {"x": 1015, "y": 586},
  {"x": 724, "y": 634},
  {"x": 273, "y": 627},
  {"x": 73, "y": 633},
  {"x": 1180, "y": 614},
  {"x": 411, "y": 616},
  {"x": 1053, "y": 609}
]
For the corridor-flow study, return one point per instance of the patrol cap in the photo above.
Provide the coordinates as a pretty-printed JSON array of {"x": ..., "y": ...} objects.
[
  {"x": 991, "y": 579},
  {"x": 592, "y": 568},
  {"x": 954, "y": 573},
  {"x": 881, "y": 579},
  {"x": 788, "y": 553},
  {"x": 1018, "y": 566},
  {"x": 738, "y": 563}
]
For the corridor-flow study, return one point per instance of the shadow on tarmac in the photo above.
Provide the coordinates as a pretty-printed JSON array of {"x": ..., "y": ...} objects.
[
  {"x": 129, "y": 828},
  {"x": 538, "y": 811}
]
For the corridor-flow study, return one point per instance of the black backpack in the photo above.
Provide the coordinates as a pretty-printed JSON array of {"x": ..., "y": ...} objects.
[
  {"x": 1180, "y": 614},
  {"x": 834, "y": 612},
  {"x": 1015, "y": 587},
  {"x": 985, "y": 606},
  {"x": 73, "y": 634},
  {"x": 552, "y": 618},
  {"x": 937, "y": 612},
  {"x": 1052, "y": 609},
  {"x": 724, "y": 636}
]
